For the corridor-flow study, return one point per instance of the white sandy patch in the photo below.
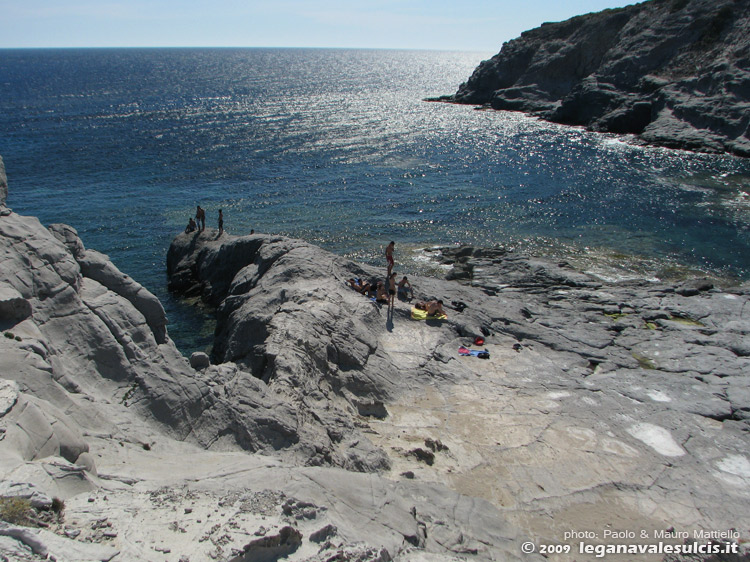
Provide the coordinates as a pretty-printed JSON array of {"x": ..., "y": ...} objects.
[
  {"x": 735, "y": 464},
  {"x": 616, "y": 447},
  {"x": 658, "y": 438},
  {"x": 558, "y": 395},
  {"x": 659, "y": 396},
  {"x": 582, "y": 433}
]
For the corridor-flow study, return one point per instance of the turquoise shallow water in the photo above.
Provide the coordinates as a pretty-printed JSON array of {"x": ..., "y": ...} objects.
[{"x": 337, "y": 147}]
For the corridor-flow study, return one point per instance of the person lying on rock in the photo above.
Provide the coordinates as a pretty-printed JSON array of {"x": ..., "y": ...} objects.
[
  {"x": 433, "y": 308},
  {"x": 362, "y": 287}
]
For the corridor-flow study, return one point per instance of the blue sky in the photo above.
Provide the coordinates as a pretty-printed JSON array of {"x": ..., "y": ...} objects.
[{"x": 471, "y": 25}]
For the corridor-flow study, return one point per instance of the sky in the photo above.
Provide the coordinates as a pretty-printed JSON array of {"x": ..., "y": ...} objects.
[{"x": 464, "y": 25}]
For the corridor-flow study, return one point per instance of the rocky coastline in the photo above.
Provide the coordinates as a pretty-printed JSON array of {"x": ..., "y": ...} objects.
[
  {"x": 673, "y": 73},
  {"x": 325, "y": 426}
]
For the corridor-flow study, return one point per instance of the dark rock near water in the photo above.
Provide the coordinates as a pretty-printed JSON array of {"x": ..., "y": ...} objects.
[
  {"x": 674, "y": 72},
  {"x": 199, "y": 360},
  {"x": 3, "y": 184}
]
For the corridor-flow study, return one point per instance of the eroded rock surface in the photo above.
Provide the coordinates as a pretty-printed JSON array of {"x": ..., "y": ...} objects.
[
  {"x": 674, "y": 72},
  {"x": 595, "y": 394}
]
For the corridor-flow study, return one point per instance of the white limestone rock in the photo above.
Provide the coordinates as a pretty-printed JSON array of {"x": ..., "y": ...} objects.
[
  {"x": 51, "y": 546},
  {"x": 8, "y": 396}
]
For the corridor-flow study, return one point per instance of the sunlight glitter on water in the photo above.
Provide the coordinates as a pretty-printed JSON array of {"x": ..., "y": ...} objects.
[{"x": 338, "y": 148}]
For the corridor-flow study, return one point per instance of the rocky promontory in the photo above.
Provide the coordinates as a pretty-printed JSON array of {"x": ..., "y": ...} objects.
[
  {"x": 325, "y": 426},
  {"x": 595, "y": 394},
  {"x": 675, "y": 73}
]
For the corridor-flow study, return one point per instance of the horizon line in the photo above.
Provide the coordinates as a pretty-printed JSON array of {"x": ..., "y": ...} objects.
[{"x": 176, "y": 47}]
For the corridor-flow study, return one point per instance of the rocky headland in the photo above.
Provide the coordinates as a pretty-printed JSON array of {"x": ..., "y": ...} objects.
[
  {"x": 323, "y": 426},
  {"x": 676, "y": 73}
]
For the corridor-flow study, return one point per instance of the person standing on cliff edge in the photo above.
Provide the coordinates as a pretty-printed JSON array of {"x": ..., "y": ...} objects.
[
  {"x": 389, "y": 257},
  {"x": 200, "y": 218},
  {"x": 221, "y": 223}
]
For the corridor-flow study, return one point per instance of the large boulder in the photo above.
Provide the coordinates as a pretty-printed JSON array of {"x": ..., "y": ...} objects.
[
  {"x": 308, "y": 340},
  {"x": 77, "y": 326}
]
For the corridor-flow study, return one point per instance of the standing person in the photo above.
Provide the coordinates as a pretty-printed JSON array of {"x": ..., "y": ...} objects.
[
  {"x": 389, "y": 257},
  {"x": 200, "y": 218},
  {"x": 391, "y": 289},
  {"x": 221, "y": 223}
]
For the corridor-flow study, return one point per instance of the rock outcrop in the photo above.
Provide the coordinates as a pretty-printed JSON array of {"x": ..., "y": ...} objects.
[
  {"x": 286, "y": 318},
  {"x": 94, "y": 331},
  {"x": 674, "y": 72},
  {"x": 632, "y": 393}
]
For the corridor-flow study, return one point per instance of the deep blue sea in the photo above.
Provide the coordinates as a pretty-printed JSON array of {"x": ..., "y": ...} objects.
[{"x": 338, "y": 147}]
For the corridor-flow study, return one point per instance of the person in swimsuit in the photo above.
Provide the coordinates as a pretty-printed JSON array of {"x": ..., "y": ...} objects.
[
  {"x": 221, "y": 223},
  {"x": 380, "y": 294},
  {"x": 391, "y": 289},
  {"x": 435, "y": 308},
  {"x": 405, "y": 289},
  {"x": 200, "y": 218},
  {"x": 359, "y": 285},
  {"x": 389, "y": 257}
]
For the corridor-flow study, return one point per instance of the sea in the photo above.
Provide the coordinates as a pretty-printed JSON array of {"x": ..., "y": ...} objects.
[{"x": 339, "y": 148}]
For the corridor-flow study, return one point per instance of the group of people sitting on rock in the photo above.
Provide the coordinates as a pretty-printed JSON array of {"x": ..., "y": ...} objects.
[{"x": 385, "y": 292}]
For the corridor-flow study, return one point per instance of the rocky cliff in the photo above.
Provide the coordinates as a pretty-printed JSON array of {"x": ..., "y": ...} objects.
[{"x": 674, "y": 72}]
